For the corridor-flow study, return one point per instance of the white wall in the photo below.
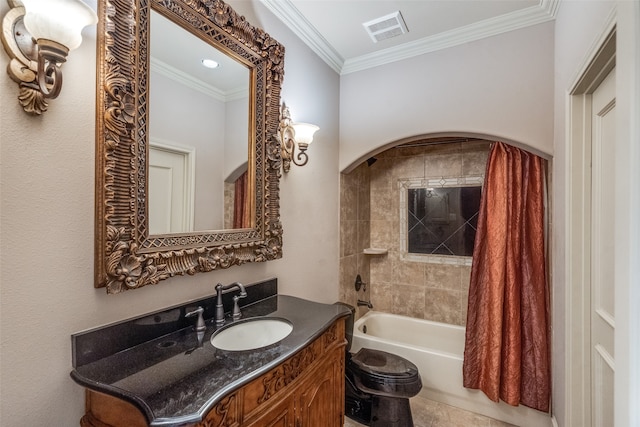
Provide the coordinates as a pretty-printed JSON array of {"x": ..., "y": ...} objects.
[
  {"x": 47, "y": 196},
  {"x": 500, "y": 86}
]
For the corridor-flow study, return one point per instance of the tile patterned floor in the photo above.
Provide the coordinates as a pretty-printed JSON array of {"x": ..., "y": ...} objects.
[{"x": 428, "y": 413}]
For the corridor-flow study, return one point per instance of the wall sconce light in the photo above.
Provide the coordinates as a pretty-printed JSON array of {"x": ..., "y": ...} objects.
[
  {"x": 294, "y": 136},
  {"x": 38, "y": 35}
]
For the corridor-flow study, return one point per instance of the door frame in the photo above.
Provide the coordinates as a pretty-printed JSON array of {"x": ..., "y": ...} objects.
[
  {"x": 189, "y": 155},
  {"x": 599, "y": 62},
  {"x": 627, "y": 231}
]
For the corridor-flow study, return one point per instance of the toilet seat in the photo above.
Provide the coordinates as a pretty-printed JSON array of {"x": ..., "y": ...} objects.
[{"x": 380, "y": 373}]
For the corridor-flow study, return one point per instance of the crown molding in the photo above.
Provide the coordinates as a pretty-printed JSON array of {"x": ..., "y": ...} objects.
[
  {"x": 550, "y": 6},
  {"x": 291, "y": 16},
  {"x": 301, "y": 27},
  {"x": 185, "y": 79},
  {"x": 240, "y": 93},
  {"x": 489, "y": 27}
]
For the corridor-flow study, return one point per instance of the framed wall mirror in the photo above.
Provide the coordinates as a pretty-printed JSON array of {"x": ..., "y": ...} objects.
[{"x": 187, "y": 158}]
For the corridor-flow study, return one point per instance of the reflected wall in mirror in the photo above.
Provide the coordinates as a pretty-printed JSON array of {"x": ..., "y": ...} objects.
[
  {"x": 187, "y": 163},
  {"x": 198, "y": 131}
]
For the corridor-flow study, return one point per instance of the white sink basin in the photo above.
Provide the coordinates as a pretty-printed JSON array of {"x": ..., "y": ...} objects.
[{"x": 251, "y": 334}]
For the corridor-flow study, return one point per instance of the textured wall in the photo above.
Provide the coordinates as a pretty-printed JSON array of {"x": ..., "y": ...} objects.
[
  {"x": 370, "y": 217},
  {"x": 354, "y": 235},
  {"x": 47, "y": 235}
]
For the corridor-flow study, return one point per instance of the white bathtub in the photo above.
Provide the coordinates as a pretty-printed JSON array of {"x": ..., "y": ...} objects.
[{"x": 437, "y": 350}]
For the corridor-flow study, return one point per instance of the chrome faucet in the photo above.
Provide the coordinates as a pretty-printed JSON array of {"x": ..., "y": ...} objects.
[{"x": 236, "y": 314}]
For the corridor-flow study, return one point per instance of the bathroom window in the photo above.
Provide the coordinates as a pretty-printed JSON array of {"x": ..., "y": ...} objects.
[{"x": 440, "y": 219}]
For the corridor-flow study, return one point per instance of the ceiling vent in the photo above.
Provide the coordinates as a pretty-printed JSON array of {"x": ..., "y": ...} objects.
[{"x": 385, "y": 27}]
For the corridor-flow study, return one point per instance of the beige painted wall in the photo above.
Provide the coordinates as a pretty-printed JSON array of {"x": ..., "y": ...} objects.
[
  {"x": 47, "y": 178},
  {"x": 497, "y": 87},
  {"x": 47, "y": 191}
]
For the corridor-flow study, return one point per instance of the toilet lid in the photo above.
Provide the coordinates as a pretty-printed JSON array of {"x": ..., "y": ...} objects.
[{"x": 382, "y": 364}]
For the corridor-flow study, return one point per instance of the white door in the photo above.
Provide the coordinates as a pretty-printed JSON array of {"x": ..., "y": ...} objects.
[
  {"x": 602, "y": 252},
  {"x": 170, "y": 193}
]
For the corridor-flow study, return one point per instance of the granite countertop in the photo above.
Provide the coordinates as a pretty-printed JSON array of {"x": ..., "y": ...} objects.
[{"x": 176, "y": 378}]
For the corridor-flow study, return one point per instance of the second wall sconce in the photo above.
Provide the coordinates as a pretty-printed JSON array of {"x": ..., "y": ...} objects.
[
  {"x": 294, "y": 137},
  {"x": 38, "y": 35}
]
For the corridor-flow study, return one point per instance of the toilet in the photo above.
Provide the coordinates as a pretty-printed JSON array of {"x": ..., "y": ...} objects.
[{"x": 378, "y": 384}]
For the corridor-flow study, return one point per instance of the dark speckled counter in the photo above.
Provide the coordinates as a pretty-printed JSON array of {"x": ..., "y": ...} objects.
[{"x": 174, "y": 379}]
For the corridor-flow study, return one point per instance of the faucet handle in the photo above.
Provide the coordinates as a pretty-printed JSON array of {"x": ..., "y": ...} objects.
[
  {"x": 360, "y": 284},
  {"x": 236, "y": 314},
  {"x": 200, "y": 325}
]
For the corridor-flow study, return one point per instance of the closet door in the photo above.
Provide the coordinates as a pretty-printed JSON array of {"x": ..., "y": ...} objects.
[
  {"x": 602, "y": 252},
  {"x": 170, "y": 191}
]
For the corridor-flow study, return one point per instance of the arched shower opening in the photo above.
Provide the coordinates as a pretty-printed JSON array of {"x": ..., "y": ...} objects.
[{"x": 433, "y": 287}]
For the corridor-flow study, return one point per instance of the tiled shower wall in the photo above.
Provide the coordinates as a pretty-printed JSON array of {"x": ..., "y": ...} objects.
[
  {"x": 423, "y": 290},
  {"x": 229, "y": 202},
  {"x": 354, "y": 234}
]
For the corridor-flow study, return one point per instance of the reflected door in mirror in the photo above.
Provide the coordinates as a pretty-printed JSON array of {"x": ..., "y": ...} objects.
[{"x": 171, "y": 179}]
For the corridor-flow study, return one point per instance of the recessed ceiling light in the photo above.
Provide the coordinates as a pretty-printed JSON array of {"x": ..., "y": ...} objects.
[{"x": 210, "y": 63}]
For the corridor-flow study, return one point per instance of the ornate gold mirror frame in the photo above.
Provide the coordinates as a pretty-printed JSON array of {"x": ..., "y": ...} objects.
[{"x": 127, "y": 257}]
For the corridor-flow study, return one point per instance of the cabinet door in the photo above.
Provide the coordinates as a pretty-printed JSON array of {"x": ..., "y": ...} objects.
[
  {"x": 280, "y": 415},
  {"x": 321, "y": 398}
]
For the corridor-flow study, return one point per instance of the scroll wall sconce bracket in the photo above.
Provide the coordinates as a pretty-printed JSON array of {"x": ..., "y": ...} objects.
[
  {"x": 23, "y": 66},
  {"x": 35, "y": 60},
  {"x": 294, "y": 136}
]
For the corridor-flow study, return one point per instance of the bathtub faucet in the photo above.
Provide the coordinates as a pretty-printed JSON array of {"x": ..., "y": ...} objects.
[{"x": 365, "y": 303}]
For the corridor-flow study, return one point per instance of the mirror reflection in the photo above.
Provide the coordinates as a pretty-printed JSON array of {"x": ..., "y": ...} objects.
[{"x": 198, "y": 135}]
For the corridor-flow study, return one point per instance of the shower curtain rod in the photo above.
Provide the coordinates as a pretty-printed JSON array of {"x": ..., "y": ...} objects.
[{"x": 438, "y": 142}]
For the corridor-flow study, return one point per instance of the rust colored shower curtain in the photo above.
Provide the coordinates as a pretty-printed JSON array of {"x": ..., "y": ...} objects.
[
  {"x": 241, "y": 211},
  {"x": 507, "y": 338}
]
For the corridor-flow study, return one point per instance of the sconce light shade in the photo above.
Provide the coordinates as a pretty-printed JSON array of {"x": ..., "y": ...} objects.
[
  {"x": 61, "y": 21},
  {"x": 294, "y": 137},
  {"x": 304, "y": 132},
  {"x": 38, "y": 35}
]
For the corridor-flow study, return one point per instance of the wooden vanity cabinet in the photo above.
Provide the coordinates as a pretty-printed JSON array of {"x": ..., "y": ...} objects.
[
  {"x": 306, "y": 390},
  {"x": 317, "y": 400}
]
